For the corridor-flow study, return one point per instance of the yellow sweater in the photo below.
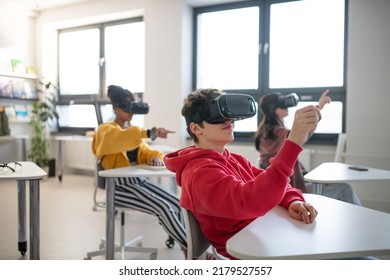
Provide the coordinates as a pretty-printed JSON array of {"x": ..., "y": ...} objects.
[{"x": 111, "y": 142}]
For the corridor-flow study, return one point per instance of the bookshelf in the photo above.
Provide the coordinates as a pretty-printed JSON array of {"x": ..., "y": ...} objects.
[
  {"x": 18, "y": 92},
  {"x": 18, "y": 75}
]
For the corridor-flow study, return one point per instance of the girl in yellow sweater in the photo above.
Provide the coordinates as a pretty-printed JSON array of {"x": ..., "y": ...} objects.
[{"x": 118, "y": 144}]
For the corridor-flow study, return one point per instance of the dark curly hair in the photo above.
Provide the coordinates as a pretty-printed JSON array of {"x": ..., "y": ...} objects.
[
  {"x": 195, "y": 102},
  {"x": 118, "y": 95}
]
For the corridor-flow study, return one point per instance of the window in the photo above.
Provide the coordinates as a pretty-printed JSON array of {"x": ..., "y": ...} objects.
[
  {"x": 328, "y": 124},
  {"x": 92, "y": 57},
  {"x": 76, "y": 118},
  {"x": 78, "y": 62},
  {"x": 308, "y": 51},
  {"x": 223, "y": 62},
  {"x": 261, "y": 46},
  {"x": 125, "y": 56}
]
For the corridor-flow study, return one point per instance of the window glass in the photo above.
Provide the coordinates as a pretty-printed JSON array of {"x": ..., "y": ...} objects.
[
  {"x": 78, "y": 62},
  {"x": 291, "y": 46},
  {"x": 331, "y": 115},
  {"x": 77, "y": 115},
  {"x": 228, "y": 49},
  {"x": 125, "y": 56},
  {"x": 306, "y": 44}
]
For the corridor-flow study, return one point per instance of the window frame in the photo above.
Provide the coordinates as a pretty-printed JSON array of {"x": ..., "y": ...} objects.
[
  {"x": 306, "y": 94},
  {"x": 100, "y": 97},
  {"x": 102, "y": 76}
]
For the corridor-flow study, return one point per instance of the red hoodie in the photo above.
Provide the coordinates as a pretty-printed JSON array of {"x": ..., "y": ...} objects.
[{"x": 226, "y": 192}]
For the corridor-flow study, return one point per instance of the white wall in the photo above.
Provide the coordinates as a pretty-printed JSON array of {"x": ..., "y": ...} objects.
[
  {"x": 16, "y": 42},
  {"x": 368, "y": 97},
  {"x": 168, "y": 77}
]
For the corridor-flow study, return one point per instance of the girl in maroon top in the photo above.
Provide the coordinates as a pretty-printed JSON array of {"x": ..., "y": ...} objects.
[{"x": 271, "y": 135}]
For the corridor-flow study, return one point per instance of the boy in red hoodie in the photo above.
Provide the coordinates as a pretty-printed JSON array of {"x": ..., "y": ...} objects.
[{"x": 224, "y": 191}]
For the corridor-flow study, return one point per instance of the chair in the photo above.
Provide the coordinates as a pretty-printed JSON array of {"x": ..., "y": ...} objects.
[
  {"x": 197, "y": 243},
  {"x": 99, "y": 183},
  {"x": 134, "y": 245}
]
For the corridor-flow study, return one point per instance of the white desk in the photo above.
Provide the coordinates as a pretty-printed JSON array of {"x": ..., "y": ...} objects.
[
  {"x": 80, "y": 138},
  {"x": 22, "y": 138},
  {"x": 61, "y": 139},
  {"x": 341, "y": 230},
  {"x": 110, "y": 176},
  {"x": 33, "y": 173},
  {"x": 336, "y": 172}
]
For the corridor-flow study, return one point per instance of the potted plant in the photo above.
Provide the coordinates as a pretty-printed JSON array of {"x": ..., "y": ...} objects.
[{"x": 43, "y": 111}]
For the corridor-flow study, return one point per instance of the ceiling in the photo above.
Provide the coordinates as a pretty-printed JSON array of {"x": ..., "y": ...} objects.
[{"x": 39, "y": 5}]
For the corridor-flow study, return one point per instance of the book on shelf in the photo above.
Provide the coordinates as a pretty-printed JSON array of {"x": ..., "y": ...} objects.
[{"x": 18, "y": 66}]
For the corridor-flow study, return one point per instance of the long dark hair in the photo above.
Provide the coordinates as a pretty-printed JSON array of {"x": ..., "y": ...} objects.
[{"x": 268, "y": 104}]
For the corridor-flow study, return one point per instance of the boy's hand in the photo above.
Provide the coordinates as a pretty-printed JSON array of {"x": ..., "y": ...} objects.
[
  {"x": 302, "y": 211},
  {"x": 305, "y": 122}
]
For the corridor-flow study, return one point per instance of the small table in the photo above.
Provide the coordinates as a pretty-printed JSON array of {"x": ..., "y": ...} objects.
[
  {"x": 61, "y": 139},
  {"x": 22, "y": 138},
  {"x": 33, "y": 173},
  {"x": 337, "y": 172},
  {"x": 341, "y": 230},
  {"x": 80, "y": 138},
  {"x": 110, "y": 175}
]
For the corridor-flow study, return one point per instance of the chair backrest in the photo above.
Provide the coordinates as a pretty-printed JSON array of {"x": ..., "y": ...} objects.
[
  {"x": 100, "y": 182},
  {"x": 197, "y": 243},
  {"x": 340, "y": 148}
]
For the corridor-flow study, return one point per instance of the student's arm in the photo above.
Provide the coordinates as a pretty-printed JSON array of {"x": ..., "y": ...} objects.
[
  {"x": 146, "y": 155},
  {"x": 111, "y": 139}
]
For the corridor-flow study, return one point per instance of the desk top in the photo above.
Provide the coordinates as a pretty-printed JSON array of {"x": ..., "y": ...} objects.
[
  {"x": 13, "y": 137},
  {"x": 81, "y": 138},
  {"x": 341, "y": 230},
  {"x": 29, "y": 171},
  {"x": 333, "y": 172},
  {"x": 162, "y": 148},
  {"x": 137, "y": 171}
]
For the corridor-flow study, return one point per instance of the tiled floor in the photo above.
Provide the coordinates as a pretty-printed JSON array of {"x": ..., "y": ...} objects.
[{"x": 69, "y": 227}]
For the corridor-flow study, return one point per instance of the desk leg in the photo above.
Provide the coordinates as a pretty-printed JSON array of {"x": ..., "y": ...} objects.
[
  {"x": 24, "y": 150},
  {"x": 317, "y": 188},
  {"x": 59, "y": 164},
  {"x": 22, "y": 236},
  {"x": 34, "y": 219},
  {"x": 110, "y": 218}
]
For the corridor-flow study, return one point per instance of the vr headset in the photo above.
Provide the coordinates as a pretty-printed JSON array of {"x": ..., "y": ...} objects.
[
  {"x": 289, "y": 100},
  {"x": 226, "y": 107},
  {"x": 137, "y": 108}
]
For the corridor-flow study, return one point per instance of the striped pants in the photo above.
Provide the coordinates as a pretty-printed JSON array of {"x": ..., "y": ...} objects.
[{"x": 140, "y": 194}]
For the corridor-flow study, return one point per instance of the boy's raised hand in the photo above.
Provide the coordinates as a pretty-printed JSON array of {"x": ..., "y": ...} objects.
[{"x": 305, "y": 122}]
